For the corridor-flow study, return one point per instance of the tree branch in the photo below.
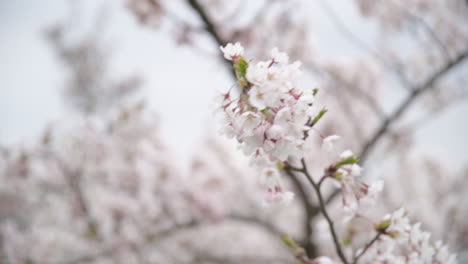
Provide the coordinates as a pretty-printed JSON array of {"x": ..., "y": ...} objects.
[
  {"x": 324, "y": 211},
  {"x": 344, "y": 30},
  {"x": 310, "y": 212},
  {"x": 366, "y": 247},
  {"x": 269, "y": 227},
  {"x": 212, "y": 30},
  {"x": 443, "y": 48},
  {"x": 400, "y": 110}
]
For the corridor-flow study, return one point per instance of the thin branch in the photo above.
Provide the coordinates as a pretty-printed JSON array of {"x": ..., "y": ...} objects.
[
  {"x": 73, "y": 177},
  {"x": 324, "y": 211},
  {"x": 422, "y": 121},
  {"x": 341, "y": 26},
  {"x": 204, "y": 257},
  {"x": 212, "y": 30},
  {"x": 310, "y": 212},
  {"x": 401, "y": 109},
  {"x": 169, "y": 232},
  {"x": 368, "y": 245},
  {"x": 372, "y": 103},
  {"x": 163, "y": 234},
  {"x": 269, "y": 227},
  {"x": 443, "y": 48}
]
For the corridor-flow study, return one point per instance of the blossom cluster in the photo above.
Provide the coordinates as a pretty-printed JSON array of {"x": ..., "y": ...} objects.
[
  {"x": 403, "y": 242},
  {"x": 271, "y": 119},
  {"x": 346, "y": 172},
  {"x": 270, "y": 116}
]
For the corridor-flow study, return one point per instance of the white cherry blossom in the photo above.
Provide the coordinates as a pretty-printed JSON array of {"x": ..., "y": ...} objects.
[
  {"x": 232, "y": 52},
  {"x": 322, "y": 260},
  {"x": 279, "y": 57},
  {"x": 328, "y": 143},
  {"x": 270, "y": 178}
]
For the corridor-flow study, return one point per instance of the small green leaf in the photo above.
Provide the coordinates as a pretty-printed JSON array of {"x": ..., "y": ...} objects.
[
  {"x": 383, "y": 225},
  {"x": 289, "y": 242},
  {"x": 347, "y": 161},
  {"x": 280, "y": 165},
  {"x": 347, "y": 241},
  {"x": 393, "y": 234},
  {"x": 240, "y": 66},
  {"x": 319, "y": 116},
  {"x": 338, "y": 176},
  {"x": 92, "y": 231}
]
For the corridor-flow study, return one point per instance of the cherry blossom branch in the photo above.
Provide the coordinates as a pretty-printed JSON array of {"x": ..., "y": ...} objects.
[
  {"x": 324, "y": 211},
  {"x": 169, "y": 232},
  {"x": 269, "y": 227},
  {"x": 310, "y": 212},
  {"x": 203, "y": 257},
  {"x": 73, "y": 177},
  {"x": 211, "y": 29},
  {"x": 444, "y": 49},
  {"x": 272, "y": 126},
  {"x": 341, "y": 26},
  {"x": 209, "y": 24},
  {"x": 401, "y": 109},
  {"x": 108, "y": 251},
  {"x": 366, "y": 247},
  {"x": 338, "y": 81}
]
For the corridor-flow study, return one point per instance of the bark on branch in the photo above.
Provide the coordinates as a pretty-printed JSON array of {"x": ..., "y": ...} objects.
[{"x": 212, "y": 30}]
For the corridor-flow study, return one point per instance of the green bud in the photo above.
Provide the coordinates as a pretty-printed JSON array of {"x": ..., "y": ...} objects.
[
  {"x": 280, "y": 165},
  {"x": 347, "y": 241},
  {"x": 240, "y": 66},
  {"x": 151, "y": 238},
  {"x": 383, "y": 225},
  {"x": 300, "y": 253},
  {"x": 393, "y": 234},
  {"x": 266, "y": 112},
  {"x": 242, "y": 82},
  {"x": 347, "y": 161},
  {"x": 338, "y": 176},
  {"x": 92, "y": 231},
  {"x": 315, "y": 91},
  {"x": 289, "y": 242},
  {"x": 319, "y": 116}
]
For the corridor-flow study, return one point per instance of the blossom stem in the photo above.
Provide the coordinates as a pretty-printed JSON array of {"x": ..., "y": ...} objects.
[
  {"x": 368, "y": 245},
  {"x": 417, "y": 91},
  {"x": 294, "y": 168},
  {"x": 310, "y": 211},
  {"x": 407, "y": 102},
  {"x": 324, "y": 211},
  {"x": 321, "y": 180}
]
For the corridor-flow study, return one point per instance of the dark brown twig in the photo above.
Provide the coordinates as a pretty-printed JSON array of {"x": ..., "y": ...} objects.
[
  {"x": 212, "y": 30},
  {"x": 310, "y": 212},
  {"x": 324, "y": 211},
  {"x": 344, "y": 30},
  {"x": 401, "y": 109},
  {"x": 366, "y": 247}
]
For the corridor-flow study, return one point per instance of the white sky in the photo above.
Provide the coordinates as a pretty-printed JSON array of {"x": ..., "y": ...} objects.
[{"x": 180, "y": 84}]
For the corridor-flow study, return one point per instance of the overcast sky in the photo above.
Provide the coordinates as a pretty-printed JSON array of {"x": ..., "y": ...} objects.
[{"x": 176, "y": 84}]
